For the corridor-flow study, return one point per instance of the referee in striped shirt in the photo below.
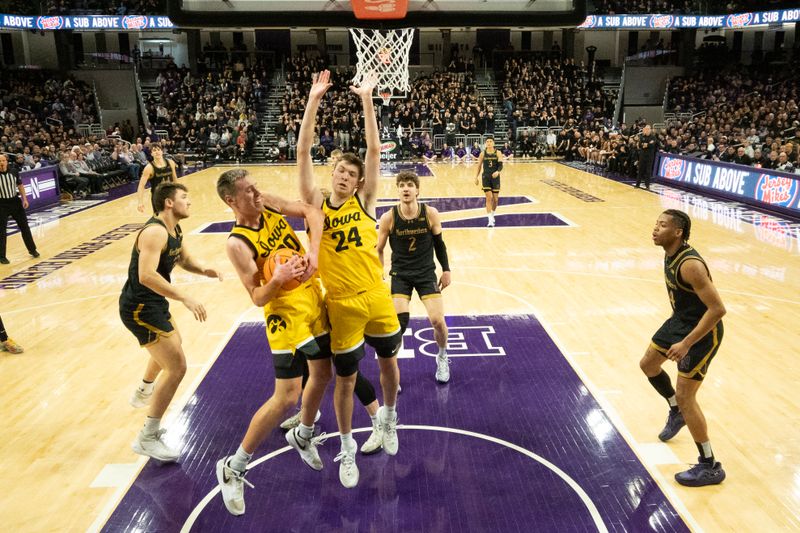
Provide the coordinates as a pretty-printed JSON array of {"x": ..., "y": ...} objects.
[{"x": 13, "y": 203}]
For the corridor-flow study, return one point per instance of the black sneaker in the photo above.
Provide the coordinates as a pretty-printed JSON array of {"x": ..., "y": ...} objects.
[
  {"x": 4, "y": 260},
  {"x": 674, "y": 424},
  {"x": 701, "y": 474},
  {"x": 35, "y": 254}
]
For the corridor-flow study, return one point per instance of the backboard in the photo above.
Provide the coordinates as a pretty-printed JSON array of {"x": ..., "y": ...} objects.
[{"x": 339, "y": 13}]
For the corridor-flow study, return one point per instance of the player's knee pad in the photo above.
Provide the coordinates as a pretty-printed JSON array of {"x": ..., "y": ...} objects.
[
  {"x": 364, "y": 390},
  {"x": 347, "y": 363},
  {"x": 386, "y": 346},
  {"x": 403, "y": 318}
]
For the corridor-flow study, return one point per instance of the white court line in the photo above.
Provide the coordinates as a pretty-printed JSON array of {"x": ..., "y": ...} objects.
[
  {"x": 607, "y": 408},
  {"x": 595, "y": 514},
  {"x": 116, "y": 497}
]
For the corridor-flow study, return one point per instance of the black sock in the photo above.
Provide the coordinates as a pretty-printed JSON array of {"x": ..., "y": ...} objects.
[
  {"x": 3, "y": 335},
  {"x": 403, "y": 318},
  {"x": 663, "y": 385}
]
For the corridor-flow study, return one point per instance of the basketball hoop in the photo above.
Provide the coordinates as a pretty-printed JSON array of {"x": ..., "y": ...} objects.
[
  {"x": 386, "y": 95},
  {"x": 385, "y": 53}
]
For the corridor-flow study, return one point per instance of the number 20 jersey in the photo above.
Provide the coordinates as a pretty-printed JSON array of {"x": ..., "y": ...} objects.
[{"x": 348, "y": 260}]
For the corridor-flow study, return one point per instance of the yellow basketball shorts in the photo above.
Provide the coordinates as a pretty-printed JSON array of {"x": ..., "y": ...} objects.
[
  {"x": 295, "y": 319},
  {"x": 370, "y": 313}
]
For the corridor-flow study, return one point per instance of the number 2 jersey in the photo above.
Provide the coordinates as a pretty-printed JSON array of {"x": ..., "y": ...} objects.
[
  {"x": 348, "y": 259},
  {"x": 412, "y": 244}
]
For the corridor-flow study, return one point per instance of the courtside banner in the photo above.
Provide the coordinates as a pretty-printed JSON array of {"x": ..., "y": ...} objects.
[
  {"x": 666, "y": 22},
  {"x": 88, "y": 22},
  {"x": 769, "y": 189}
]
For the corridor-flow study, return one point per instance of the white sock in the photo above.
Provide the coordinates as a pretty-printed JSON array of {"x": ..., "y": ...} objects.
[
  {"x": 305, "y": 432},
  {"x": 347, "y": 441},
  {"x": 374, "y": 418},
  {"x": 673, "y": 402},
  {"x": 151, "y": 426},
  {"x": 240, "y": 459},
  {"x": 147, "y": 387},
  {"x": 391, "y": 411},
  {"x": 442, "y": 352}
]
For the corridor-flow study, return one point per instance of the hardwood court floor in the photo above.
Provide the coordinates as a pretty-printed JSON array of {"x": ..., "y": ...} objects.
[{"x": 596, "y": 285}]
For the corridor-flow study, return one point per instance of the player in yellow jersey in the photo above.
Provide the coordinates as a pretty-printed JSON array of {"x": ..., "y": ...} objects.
[
  {"x": 297, "y": 328},
  {"x": 358, "y": 301}
]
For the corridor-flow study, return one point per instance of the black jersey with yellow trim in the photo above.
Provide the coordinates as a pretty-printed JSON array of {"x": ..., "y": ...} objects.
[{"x": 686, "y": 305}]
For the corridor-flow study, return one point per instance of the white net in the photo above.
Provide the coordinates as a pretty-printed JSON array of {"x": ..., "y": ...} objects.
[{"x": 384, "y": 52}]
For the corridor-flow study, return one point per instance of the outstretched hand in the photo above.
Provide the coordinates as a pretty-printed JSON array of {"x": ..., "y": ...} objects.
[
  {"x": 367, "y": 85},
  {"x": 320, "y": 84}
]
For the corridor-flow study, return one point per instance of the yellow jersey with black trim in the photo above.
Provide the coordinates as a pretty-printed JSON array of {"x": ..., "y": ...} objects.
[
  {"x": 348, "y": 259},
  {"x": 273, "y": 232}
]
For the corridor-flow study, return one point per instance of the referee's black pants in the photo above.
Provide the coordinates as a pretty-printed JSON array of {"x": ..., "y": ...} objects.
[{"x": 12, "y": 207}]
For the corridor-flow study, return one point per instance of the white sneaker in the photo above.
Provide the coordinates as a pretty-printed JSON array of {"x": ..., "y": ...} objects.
[
  {"x": 307, "y": 448},
  {"x": 375, "y": 440},
  {"x": 490, "y": 223},
  {"x": 139, "y": 398},
  {"x": 153, "y": 446},
  {"x": 294, "y": 421},
  {"x": 291, "y": 422},
  {"x": 442, "y": 369},
  {"x": 348, "y": 471},
  {"x": 231, "y": 486},
  {"x": 389, "y": 429}
]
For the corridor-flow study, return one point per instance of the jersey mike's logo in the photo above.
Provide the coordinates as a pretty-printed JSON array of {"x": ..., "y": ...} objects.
[
  {"x": 134, "y": 22},
  {"x": 388, "y": 146},
  {"x": 775, "y": 232},
  {"x": 776, "y": 190},
  {"x": 672, "y": 168},
  {"x": 49, "y": 23},
  {"x": 661, "y": 21},
  {"x": 590, "y": 22},
  {"x": 742, "y": 19}
]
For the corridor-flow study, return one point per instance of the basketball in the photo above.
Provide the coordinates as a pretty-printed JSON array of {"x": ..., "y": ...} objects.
[{"x": 281, "y": 255}]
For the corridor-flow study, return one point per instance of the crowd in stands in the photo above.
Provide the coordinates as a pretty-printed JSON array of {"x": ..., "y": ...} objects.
[
  {"x": 84, "y": 7},
  {"x": 43, "y": 119},
  {"x": 442, "y": 102},
  {"x": 105, "y": 7},
  {"x": 682, "y": 7},
  {"x": 212, "y": 115},
  {"x": 745, "y": 115}
]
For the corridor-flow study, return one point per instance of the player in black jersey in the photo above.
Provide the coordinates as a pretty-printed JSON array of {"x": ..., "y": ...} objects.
[
  {"x": 690, "y": 337},
  {"x": 144, "y": 310},
  {"x": 489, "y": 165},
  {"x": 414, "y": 232},
  {"x": 159, "y": 170}
]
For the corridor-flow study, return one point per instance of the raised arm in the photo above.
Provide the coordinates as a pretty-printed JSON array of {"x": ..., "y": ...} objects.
[
  {"x": 147, "y": 173},
  {"x": 309, "y": 192},
  {"x": 372, "y": 161}
]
